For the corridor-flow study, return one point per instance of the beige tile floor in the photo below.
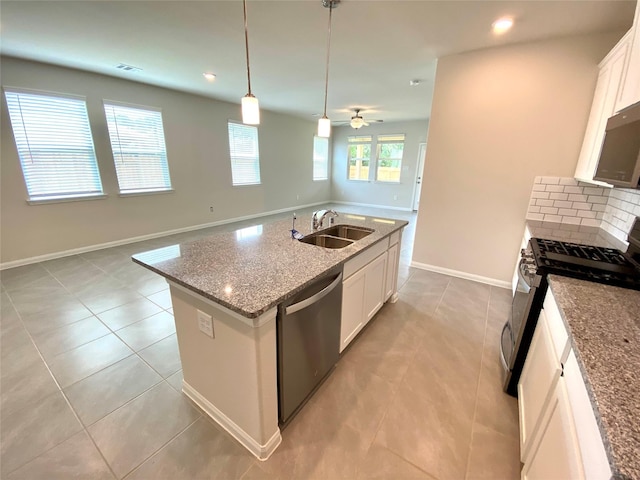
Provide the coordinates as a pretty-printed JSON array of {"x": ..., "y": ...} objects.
[{"x": 90, "y": 382}]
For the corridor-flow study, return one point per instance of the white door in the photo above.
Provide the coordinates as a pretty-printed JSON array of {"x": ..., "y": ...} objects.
[{"x": 419, "y": 171}]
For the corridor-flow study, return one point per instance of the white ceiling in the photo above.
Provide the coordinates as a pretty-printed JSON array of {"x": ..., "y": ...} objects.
[{"x": 377, "y": 46}]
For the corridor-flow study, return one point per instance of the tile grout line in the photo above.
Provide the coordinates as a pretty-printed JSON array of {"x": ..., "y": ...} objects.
[{"x": 475, "y": 407}]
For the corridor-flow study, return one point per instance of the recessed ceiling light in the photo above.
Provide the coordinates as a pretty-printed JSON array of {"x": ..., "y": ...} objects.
[
  {"x": 209, "y": 76},
  {"x": 414, "y": 83},
  {"x": 502, "y": 25},
  {"x": 128, "y": 68}
]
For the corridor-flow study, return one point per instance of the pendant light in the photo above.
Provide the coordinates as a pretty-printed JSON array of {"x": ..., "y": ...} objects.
[
  {"x": 250, "y": 106},
  {"x": 324, "y": 124}
]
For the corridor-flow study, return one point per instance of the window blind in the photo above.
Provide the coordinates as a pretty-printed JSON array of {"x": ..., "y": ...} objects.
[
  {"x": 244, "y": 154},
  {"x": 55, "y": 146},
  {"x": 320, "y": 158},
  {"x": 139, "y": 151}
]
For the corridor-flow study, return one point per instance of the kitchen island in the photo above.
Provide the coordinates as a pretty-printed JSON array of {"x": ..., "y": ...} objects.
[{"x": 225, "y": 290}]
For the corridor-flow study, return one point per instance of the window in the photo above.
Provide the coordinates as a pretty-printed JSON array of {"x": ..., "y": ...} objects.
[
  {"x": 320, "y": 158},
  {"x": 359, "y": 157},
  {"x": 389, "y": 153},
  {"x": 244, "y": 153},
  {"x": 139, "y": 152},
  {"x": 55, "y": 146}
]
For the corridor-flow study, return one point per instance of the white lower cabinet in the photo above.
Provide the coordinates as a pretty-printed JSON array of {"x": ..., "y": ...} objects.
[
  {"x": 370, "y": 279},
  {"x": 559, "y": 435}
]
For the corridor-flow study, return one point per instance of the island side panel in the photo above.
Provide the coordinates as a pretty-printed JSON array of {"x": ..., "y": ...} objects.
[{"x": 235, "y": 372}]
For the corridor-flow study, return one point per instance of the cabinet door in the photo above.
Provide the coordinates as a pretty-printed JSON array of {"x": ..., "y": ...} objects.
[
  {"x": 392, "y": 271},
  {"x": 352, "y": 307},
  {"x": 540, "y": 374},
  {"x": 556, "y": 454},
  {"x": 630, "y": 87},
  {"x": 374, "y": 286},
  {"x": 603, "y": 106}
]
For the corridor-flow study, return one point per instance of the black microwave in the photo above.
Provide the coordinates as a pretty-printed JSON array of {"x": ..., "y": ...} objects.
[{"x": 619, "y": 162}]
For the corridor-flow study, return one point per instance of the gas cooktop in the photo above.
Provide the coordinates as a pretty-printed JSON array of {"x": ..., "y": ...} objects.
[{"x": 587, "y": 262}]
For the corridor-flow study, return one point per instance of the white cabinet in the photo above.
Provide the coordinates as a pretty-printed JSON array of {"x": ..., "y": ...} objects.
[
  {"x": 630, "y": 86},
  {"x": 556, "y": 454},
  {"x": 604, "y": 105},
  {"x": 559, "y": 434},
  {"x": 539, "y": 376},
  {"x": 370, "y": 279},
  {"x": 391, "y": 280}
]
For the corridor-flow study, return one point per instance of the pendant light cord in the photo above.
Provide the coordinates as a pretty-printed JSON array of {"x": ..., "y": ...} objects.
[
  {"x": 246, "y": 43},
  {"x": 326, "y": 78}
]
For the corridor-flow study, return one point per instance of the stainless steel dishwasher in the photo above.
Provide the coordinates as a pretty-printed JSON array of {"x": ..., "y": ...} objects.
[{"x": 308, "y": 326}]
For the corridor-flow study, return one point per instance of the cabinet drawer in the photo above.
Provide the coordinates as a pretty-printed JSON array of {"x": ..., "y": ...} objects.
[{"x": 365, "y": 257}]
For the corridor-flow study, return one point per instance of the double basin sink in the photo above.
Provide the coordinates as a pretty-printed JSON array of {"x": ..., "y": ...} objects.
[{"x": 338, "y": 236}]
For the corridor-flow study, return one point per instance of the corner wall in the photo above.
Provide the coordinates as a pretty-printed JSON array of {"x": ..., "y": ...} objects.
[
  {"x": 197, "y": 149},
  {"x": 500, "y": 117}
]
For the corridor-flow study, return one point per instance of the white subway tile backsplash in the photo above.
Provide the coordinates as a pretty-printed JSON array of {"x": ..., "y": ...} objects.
[
  {"x": 581, "y": 206},
  {"x": 550, "y": 210},
  {"x": 597, "y": 199},
  {"x": 550, "y": 180},
  {"x": 568, "y": 201},
  {"x": 577, "y": 198},
  {"x": 567, "y": 212},
  {"x": 558, "y": 196},
  {"x": 540, "y": 195},
  {"x": 590, "y": 222}
]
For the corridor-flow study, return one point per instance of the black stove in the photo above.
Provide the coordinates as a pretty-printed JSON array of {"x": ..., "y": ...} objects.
[{"x": 587, "y": 262}]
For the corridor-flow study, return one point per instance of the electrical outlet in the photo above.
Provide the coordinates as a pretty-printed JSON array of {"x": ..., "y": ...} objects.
[
  {"x": 211, "y": 209},
  {"x": 205, "y": 324}
]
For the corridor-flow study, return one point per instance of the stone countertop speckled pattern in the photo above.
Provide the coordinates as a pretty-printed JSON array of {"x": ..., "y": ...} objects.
[
  {"x": 253, "y": 269},
  {"x": 604, "y": 326},
  {"x": 564, "y": 232}
]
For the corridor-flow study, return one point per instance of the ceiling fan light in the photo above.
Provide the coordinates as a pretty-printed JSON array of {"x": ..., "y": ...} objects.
[
  {"x": 324, "y": 127},
  {"x": 357, "y": 122},
  {"x": 250, "y": 110}
]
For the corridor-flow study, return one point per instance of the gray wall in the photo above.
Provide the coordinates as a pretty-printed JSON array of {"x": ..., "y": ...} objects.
[
  {"x": 197, "y": 149},
  {"x": 378, "y": 193},
  {"x": 500, "y": 117}
]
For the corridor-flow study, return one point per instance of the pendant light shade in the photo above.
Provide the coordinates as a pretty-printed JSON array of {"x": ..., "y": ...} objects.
[
  {"x": 324, "y": 127},
  {"x": 250, "y": 106},
  {"x": 324, "y": 124},
  {"x": 250, "y": 110}
]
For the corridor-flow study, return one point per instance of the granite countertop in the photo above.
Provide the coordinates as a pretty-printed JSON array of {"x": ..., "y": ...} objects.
[
  {"x": 253, "y": 269},
  {"x": 596, "y": 236},
  {"x": 604, "y": 326}
]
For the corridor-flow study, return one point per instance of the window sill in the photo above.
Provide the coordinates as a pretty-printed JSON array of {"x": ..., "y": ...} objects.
[
  {"x": 358, "y": 181},
  {"x": 320, "y": 179},
  {"x": 147, "y": 192},
  {"x": 42, "y": 201}
]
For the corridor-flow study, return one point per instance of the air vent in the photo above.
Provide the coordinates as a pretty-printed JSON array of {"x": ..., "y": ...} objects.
[{"x": 128, "y": 68}]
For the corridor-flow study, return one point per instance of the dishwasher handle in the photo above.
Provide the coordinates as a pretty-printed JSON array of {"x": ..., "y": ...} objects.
[{"x": 314, "y": 298}]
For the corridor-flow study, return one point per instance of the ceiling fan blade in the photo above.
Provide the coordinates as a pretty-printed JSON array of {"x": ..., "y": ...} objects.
[{"x": 365, "y": 123}]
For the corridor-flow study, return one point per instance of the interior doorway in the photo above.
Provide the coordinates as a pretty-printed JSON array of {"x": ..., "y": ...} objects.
[{"x": 422, "y": 149}]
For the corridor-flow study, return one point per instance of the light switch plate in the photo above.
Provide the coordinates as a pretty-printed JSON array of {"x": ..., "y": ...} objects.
[{"x": 205, "y": 324}]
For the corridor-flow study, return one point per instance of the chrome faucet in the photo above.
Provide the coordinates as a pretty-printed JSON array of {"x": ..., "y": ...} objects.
[{"x": 318, "y": 218}]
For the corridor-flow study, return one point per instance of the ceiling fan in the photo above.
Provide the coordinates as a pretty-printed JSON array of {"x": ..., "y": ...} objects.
[{"x": 357, "y": 121}]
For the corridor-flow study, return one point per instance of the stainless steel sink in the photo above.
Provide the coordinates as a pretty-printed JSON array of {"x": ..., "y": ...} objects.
[
  {"x": 347, "y": 231},
  {"x": 326, "y": 241}
]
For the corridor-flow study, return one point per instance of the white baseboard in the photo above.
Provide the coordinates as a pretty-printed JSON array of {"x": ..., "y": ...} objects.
[
  {"x": 261, "y": 452},
  {"x": 371, "y": 205},
  {"x": 140, "y": 238},
  {"x": 467, "y": 276}
]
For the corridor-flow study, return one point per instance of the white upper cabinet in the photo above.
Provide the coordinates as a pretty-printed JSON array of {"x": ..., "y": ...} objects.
[
  {"x": 630, "y": 86},
  {"x": 603, "y": 106}
]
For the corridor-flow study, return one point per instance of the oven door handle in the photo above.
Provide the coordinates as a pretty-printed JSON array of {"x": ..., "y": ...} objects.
[{"x": 502, "y": 359}]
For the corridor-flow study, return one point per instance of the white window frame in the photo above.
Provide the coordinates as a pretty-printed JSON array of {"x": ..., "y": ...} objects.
[
  {"x": 139, "y": 149},
  {"x": 55, "y": 145},
  {"x": 359, "y": 140},
  {"x": 389, "y": 139},
  {"x": 245, "y": 166},
  {"x": 320, "y": 158}
]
